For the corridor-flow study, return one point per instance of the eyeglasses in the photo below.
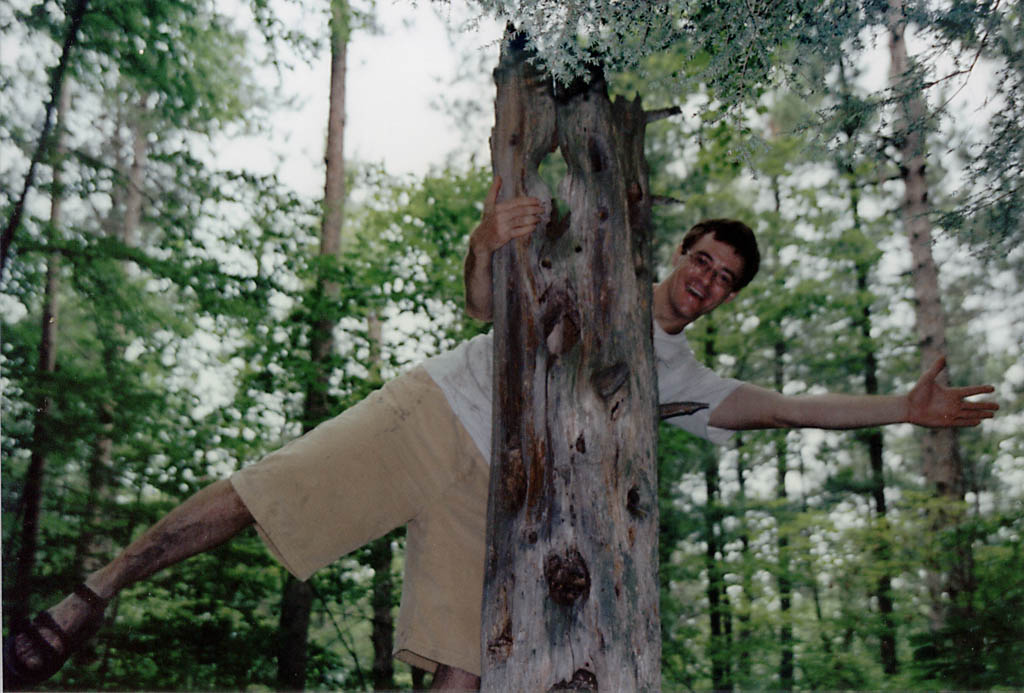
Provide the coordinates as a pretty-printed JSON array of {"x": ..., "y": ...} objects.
[{"x": 721, "y": 276}]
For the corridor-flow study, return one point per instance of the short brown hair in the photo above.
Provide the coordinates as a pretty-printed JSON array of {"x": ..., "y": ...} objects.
[{"x": 733, "y": 233}]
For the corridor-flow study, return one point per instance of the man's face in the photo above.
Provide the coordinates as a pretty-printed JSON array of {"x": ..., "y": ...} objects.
[{"x": 703, "y": 279}]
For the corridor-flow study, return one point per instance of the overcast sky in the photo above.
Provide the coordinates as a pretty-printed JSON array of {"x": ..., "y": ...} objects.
[{"x": 393, "y": 79}]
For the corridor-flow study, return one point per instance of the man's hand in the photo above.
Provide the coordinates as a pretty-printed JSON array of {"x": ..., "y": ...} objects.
[
  {"x": 501, "y": 223},
  {"x": 934, "y": 405}
]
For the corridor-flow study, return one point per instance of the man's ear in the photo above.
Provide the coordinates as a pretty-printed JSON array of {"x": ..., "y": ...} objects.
[
  {"x": 677, "y": 254},
  {"x": 731, "y": 296}
]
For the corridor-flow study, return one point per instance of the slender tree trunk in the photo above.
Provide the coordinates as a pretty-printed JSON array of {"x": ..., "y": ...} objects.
[
  {"x": 571, "y": 590},
  {"x": 31, "y": 499},
  {"x": 382, "y": 634},
  {"x": 783, "y": 578},
  {"x": 883, "y": 551},
  {"x": 719, "y": 616},
  {"x": 75, "y": 17},
  {"x": 297, "y": 600},
  {"x": 124, "y": 226},
  {"x": 942, "y": 463},
  {"x": 872, "y": 438},
  {"x": 382, "y": 601},
  {"x": 876, "y": 444},
  {"x": 296, "y": 605},
  {"x": 718, "y": 647},
  {"x": 745, "y": 631}
]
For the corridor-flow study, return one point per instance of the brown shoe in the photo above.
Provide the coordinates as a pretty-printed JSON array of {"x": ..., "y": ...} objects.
[{"x": 30, "y": 657}]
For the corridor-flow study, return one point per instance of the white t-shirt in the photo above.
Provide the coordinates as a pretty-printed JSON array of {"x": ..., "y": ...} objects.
[{"x": 464, "y": 374}]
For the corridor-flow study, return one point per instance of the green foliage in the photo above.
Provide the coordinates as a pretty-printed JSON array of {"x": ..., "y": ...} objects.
[
  {"x": 939, "y": 655},
  {"x": 827, "y": 248},
  {"x": 198, "y": 332}
]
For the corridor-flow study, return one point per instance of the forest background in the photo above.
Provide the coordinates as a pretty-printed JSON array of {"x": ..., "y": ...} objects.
[{"x": 160, "y": 298}]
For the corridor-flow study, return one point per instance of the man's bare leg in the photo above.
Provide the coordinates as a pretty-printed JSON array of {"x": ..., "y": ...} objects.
[
  {"x": 448, "y": 678},
  {"x": 204, "y": 521}
]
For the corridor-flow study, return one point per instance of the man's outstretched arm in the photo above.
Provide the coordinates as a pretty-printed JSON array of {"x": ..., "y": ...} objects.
[
  {"x": 929, "y": 404},
  {"x": 502, "y": 221}
]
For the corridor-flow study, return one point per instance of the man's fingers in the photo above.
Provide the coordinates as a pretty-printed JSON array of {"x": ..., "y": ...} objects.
[
  {"x": 973, "y": 413},
  {"x": 971, "y": 420},
  {"x": 520, "y": 205},
  {"x": 974, "y": 390},
  {"x": 981, "y": 406},
  {"x": 519, "y": 216}
]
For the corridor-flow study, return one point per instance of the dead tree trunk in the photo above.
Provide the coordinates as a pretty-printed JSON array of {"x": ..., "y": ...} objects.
[{"x": 571, "y": 589}]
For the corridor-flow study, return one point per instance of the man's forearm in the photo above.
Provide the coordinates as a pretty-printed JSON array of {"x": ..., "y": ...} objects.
[
  {"x": 752, "y": 407},
  {"x": 478, "y": 286},
  {"x": 840, "y": 411}
]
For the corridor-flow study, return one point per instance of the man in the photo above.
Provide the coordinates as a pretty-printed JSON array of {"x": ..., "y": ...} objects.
[{"x": 415, "y": 453}]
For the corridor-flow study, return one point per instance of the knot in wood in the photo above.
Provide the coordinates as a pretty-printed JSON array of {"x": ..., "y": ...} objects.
[
  {"x": 634, "y": 193},
  {"x": 560, "y": 321},
  {"x": 633, "y": 504},
  {"x": 567, "y": 576},
  {"x": 500, "y": 647},
  {"x": 597, "y": 155},
  {"x": 582, "y": 680},
  {"x": 610, "y": 380}
]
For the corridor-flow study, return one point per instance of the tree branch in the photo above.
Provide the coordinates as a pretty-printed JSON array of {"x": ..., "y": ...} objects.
[
  {"x": 661, "y": 113},
  {"x": 665, "y": 200},
  {"x": 672, "y": 409}
]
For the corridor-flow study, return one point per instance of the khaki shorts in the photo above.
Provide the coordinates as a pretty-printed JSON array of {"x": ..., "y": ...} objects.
[{"x": 399, "y": 457}]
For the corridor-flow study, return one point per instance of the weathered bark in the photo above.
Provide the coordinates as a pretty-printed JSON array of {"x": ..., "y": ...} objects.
[
  {"x": 571, "y": 591},
  {"x": 297, "y": 599},
  {"x": 942, "y": 463},
  {"x": 31, "y": 498}
]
